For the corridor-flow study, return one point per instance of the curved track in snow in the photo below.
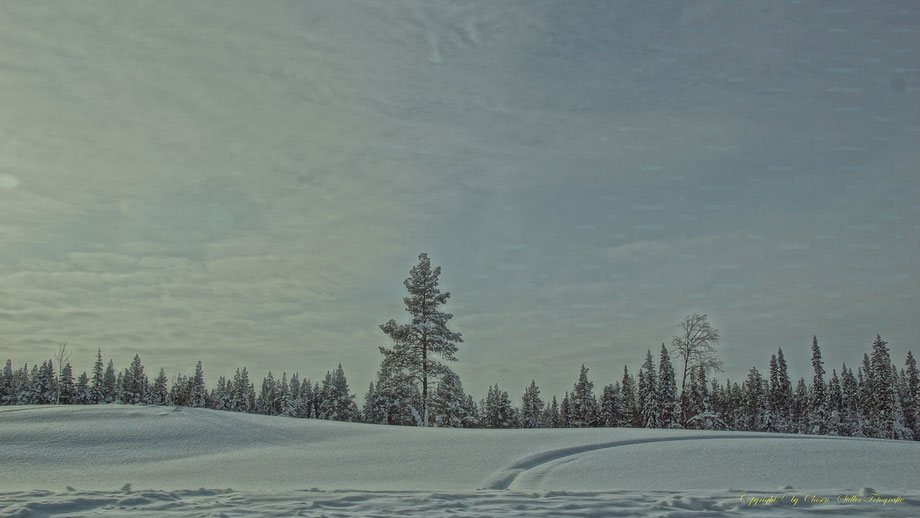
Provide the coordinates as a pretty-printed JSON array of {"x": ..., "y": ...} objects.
[{"x": 506, "y": 478}]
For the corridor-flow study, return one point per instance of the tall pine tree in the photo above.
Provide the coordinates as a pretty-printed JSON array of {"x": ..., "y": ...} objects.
[{"x": 418, "y": 344}]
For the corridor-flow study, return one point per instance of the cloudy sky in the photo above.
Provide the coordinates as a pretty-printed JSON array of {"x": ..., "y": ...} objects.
[{"x": 248, "y": 183}]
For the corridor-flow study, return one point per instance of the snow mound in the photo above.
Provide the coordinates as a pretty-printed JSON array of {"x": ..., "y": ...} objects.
[{"x": 103, "y": 448}]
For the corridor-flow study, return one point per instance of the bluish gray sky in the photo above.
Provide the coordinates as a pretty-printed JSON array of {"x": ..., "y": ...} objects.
[{"x": 248, "y": 183}]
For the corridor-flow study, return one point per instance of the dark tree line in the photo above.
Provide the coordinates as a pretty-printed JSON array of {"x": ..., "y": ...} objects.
[
  {"x": 876, "y": 400},
  {"x": 415, "y": 387}
]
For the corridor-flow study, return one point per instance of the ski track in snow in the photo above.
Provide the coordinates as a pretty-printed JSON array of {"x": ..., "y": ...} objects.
[
  {"x": 205, "y": 502},
  {"x": 506, "y": 479}
]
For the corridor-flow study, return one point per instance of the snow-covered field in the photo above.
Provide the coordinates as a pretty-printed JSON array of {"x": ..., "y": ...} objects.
[{"x": 131, "y": 461}]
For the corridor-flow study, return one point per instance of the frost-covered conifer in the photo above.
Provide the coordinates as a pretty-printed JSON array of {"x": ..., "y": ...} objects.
[
  {"x": 531, "y": 406},
  {"x": 269, "y": 401},
  {"x": 198, "y": 394},
  {"x": 551, "y": 417},
  {"x": 834, "y": 404},
  {"x": 160, "y": 393},
  {"x": 611, "y": 406},
  {"x": 583, "y": 402},
  {"x": 565, "y": 411},
  {"x": 903, "y": 429},
  {"x": 817, "y": 405},
  {"x": 753, "y": 400},
  {"x": 419, "y": 344},
  {"x": 784, "y": 399},
  {"x": 336, "y": 403},
  {"x": 82, "y": 392},
  {"x": 179, "y": 394},
  {"x": 650, "y": 404},
  {"x": 448, "y": 404},
  {"x": 396, "y": 400},
  {"x": 912, "y": 401},
  {"x": 134, "y": 384},
  {"x": 305, "y": 407},
  {"x": 288, "y": 406},
  {"x": 97, "y": 394},
  {"x": 242, "y": 398},
  {"x": 800, "y": 406},
  {"x": 630, "y": 407},
  {"x": 6, "y": 383},
  {"x": 667, "y": 391},
  {"x": 497, "y": 412},
  {"x": 110, "y": 383},
  {"x": 849, "y": 401},
  {"x": 67, "y": 390},
  {"x": 884, "y": 397}
]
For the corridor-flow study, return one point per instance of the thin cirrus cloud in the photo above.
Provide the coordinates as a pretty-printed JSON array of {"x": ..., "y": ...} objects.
[{"x": 249, "y": 184}]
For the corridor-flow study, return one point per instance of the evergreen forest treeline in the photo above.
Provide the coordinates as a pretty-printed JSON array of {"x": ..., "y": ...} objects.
[{"x": 415, "y": 388}]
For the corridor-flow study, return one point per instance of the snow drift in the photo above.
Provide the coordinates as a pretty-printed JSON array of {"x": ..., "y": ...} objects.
[{"x": 57, "y": 459}]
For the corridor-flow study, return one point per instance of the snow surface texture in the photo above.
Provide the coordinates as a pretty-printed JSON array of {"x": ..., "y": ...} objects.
[{"x": 122, "y": 460}]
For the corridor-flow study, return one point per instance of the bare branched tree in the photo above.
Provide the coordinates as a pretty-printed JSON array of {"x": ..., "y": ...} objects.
[
  {"x": 62, "y": 357},
  {"x": 696, "y": 348}
]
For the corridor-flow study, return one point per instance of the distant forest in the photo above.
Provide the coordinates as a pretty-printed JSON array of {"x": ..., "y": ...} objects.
[{"x": 415, "y": 387}]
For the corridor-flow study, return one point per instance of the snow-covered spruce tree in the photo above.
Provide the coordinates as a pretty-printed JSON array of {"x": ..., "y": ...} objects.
[
  {"x": 565, "y": 412},
  {"x": 6, "y": 383},
  {"x": 22, "y": 384},
  {"x": 551, "y": 418},
  {"x": 82, "y": 391},
  {"x": 110, "y": 383},
  {"x": 305, "y": 403},
  {"x": 912, "y": 386},
  {"x": 648, "y": 394},
  {"x": 735, "y": 407},
  {"x": 774, "y": 399},
  {"x": 179, "y": 393},
  {"x": 418, "y": 344},
  {"x": 817, "y": 408},
  {"x": 134, "y": 384},
  {"x": 242, "y": 398},
  {"x": 611, "y": 406},
  {"x": 631, "y": 412},
  {"x": 834, "y": 404},
  {"x": 336, "y": 403},
  {"x": 884, "y": 397},
  {"x": 706, "y": 418},
  {"x": 800, "y": 406},
  {"x": 448, "y": 404},
  {"x": 66, "y": 389},
  {"x": 295, "y": 388},
  {"x": 904, "y": 430},
  {"x": 288, "y": 407},
  {"x": 667, "y": 391},
  {"x": 753, "y": 400},
  {"x": 867, "y": 411},
  {"x": 120, "y": 388},
  {"x": 531, "y": 407},
  {"x": 160, "y": 391},
  {"x": 780, "y": 392},
  {"x": 97, "y": 394},
  {"x": 849, "y": 402},
  {"x": 48, "y": 384},
  {"x": 268, "y": 402},
  {"x": 222, "y": 395},
  {"x": 396, "y": 400},
  {"x": 497, "y": 412},
  {"x": 584, "y": 405},
  {"x": 198, "y": 392}
]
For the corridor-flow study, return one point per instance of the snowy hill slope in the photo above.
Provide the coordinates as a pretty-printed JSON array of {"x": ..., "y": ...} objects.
[
  {"x": 184, "y": 448},
  {"x": 168, "y": 453}
]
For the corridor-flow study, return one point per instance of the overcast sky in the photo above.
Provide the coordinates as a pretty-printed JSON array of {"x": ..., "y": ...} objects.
[{"x": 248, "y": 183}]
